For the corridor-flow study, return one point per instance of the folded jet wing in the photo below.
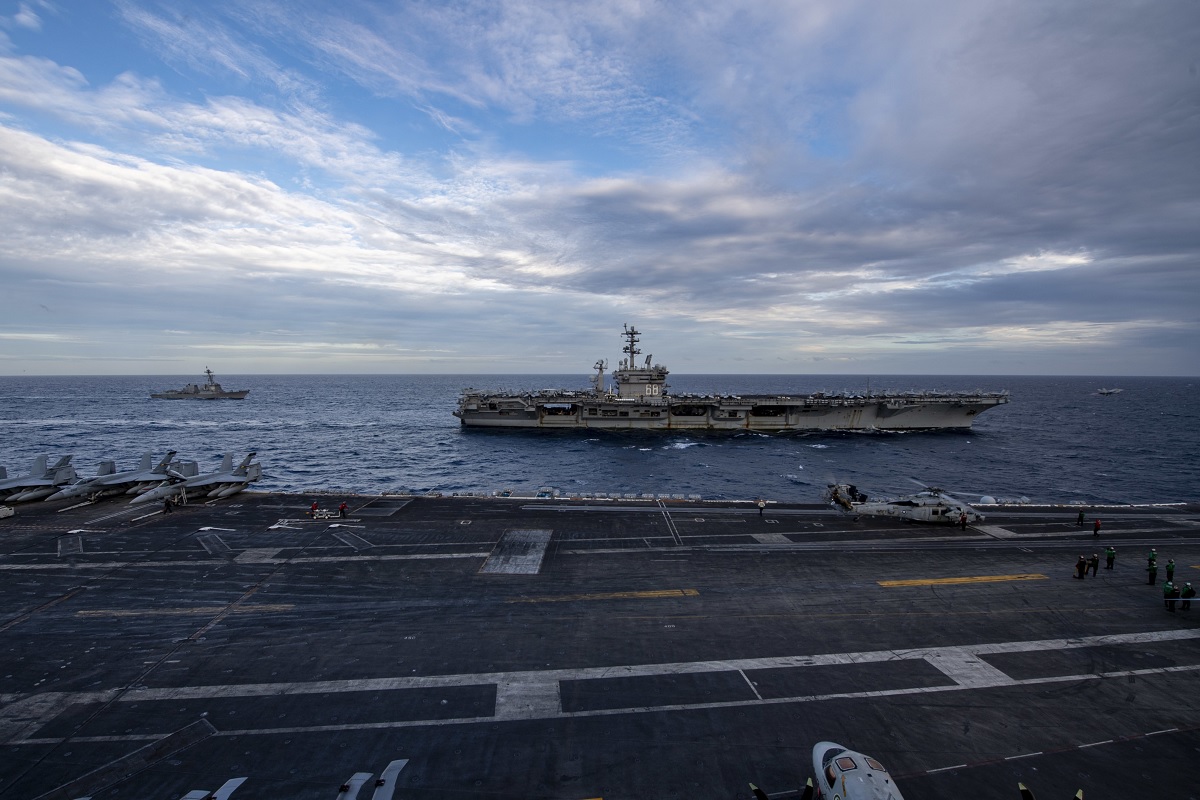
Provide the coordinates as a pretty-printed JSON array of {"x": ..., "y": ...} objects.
[
  {"x": 42, "y": 480},
  {"x": 223, "y": 482},
  {"x": 111, "y": 482}
]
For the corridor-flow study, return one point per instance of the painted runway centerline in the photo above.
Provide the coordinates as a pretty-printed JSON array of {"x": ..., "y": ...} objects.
[{"x": 184, "y": 612}]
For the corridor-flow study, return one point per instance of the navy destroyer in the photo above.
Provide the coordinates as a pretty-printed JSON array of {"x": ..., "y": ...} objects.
[
  {"x": 639, "y": 400},
  {"x": 209, "y": 390}
]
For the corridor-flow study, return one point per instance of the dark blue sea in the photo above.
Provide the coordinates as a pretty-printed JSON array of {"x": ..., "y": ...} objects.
[{"x": 1058, "y": 441}]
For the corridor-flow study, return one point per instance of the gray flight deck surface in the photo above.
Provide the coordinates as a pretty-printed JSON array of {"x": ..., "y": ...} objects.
[{"x": 571, "y": 649}]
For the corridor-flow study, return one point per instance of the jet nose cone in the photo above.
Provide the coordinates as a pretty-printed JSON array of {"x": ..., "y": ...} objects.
[{"x": 824, "y": 751}]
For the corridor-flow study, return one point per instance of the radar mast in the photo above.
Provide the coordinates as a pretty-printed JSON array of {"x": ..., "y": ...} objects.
[{"x": 632, "y": 335}]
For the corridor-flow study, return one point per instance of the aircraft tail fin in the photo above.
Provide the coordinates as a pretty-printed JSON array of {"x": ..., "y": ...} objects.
[
  {"x": 245, "y": 465},
  {"x": 227, "y": 463},
  {"x": 107, "y": 467},
  {"x": 3, "y": 473},
  {"x": 39, "y": 466},
  {"x": 165, "y": 464},
  {"x": 62, "y": 462},
  {"x": 144, "y": 465}
]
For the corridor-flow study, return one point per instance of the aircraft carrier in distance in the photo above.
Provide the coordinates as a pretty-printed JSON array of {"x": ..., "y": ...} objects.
[
  {"x": 640, "y": 400},
  {"x": 573, "y": 647}
]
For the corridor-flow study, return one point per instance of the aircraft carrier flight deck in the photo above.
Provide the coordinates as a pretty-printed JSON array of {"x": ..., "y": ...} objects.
[{"x": 483, "y": 647}]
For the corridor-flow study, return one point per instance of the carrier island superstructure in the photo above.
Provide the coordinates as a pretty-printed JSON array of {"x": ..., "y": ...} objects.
[{"x": 639, "y": 400}]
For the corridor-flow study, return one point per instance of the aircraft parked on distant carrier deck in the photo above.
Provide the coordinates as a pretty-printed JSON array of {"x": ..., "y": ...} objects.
[
  {"x": 188, "y": 483},
  {"x": 640, "y": 400},
  {"x": 42, "y": 481},
  {"x": 110, "y": 482},
  {"x": 931, "y": 505}
]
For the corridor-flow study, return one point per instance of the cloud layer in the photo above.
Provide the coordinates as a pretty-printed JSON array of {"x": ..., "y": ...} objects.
[{"x": 923, "y": 187}]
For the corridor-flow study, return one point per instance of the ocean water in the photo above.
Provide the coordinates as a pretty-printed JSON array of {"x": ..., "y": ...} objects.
[{"x": 1058, "y": 441}]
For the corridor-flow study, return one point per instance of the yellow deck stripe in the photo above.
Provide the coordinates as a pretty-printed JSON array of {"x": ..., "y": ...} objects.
[
  {"x": 183, "y": 612},
  {"x": 1031, "y": 576},
  {"x": 650, "y": 595}
]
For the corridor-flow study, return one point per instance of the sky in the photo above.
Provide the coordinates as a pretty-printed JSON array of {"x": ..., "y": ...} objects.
[{"x": 819, "y": 186}]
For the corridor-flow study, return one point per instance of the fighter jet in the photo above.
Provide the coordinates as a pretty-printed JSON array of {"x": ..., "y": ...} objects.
[
  {"x": 849, "y": 775},
  {"x": 226, "y": 481},
  {"x": 932, "y": 505},
  {"x": 844, "y": 774},
  {"x": 109, "y": 482},
  {"x": 42, "y": 481}
]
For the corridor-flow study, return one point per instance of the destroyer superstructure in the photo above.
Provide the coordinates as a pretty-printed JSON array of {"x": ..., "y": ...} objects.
[
  {"x": 209, "y": 390},
  {"x": 640, "y": 400}
]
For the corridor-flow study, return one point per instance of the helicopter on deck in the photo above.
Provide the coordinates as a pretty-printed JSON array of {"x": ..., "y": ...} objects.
[{"x": 929, "y": 505}]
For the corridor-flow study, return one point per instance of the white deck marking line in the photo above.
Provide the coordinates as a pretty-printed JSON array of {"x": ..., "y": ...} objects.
[
  {"x": 670, "y": 523},
  {"x": 305, "y": 560},
  {"x": 608, "y": 712},
  {"x": 535, "y": 694},
  {"x": 633, "y": 670},
  {"x": 750, "y": 683}
]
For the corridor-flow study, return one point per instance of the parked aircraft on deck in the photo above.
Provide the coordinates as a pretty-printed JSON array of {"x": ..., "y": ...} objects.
[
  {"x": 188, "y": 483},
  {"x": 931, "y": 505},
  {"x": 110, "y": 482},
  {"x": 42, "y": 481}
]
